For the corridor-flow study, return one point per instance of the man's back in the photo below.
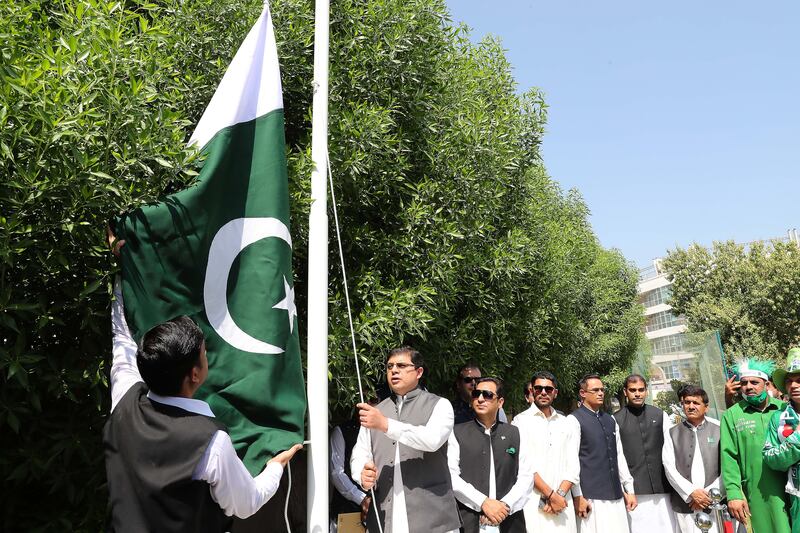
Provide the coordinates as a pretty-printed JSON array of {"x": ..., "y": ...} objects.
[{"x": 152, "y": 451}]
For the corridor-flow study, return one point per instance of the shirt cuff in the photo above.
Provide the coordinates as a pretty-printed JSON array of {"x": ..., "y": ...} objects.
[{"x": 394, "y": 429}]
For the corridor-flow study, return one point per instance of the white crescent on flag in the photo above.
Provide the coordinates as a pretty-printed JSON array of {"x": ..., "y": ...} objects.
[{"x": 226, "y": 246}]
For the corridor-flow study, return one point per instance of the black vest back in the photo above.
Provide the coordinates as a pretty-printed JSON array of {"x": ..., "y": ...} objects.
[
  {"x": 642, "y": 435},
  {"x": 340, "y": 504},
  {"x": 474, "y": 465},
  {"x": 598, "y": 455},
  {"x": 151, "y": 451}
]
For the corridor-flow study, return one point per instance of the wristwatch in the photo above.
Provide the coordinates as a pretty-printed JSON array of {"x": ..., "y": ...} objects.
[{"x": 561, "y": 492}]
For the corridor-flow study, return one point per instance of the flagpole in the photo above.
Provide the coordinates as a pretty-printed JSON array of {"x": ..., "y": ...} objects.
[{"x": 317, "y": 383}]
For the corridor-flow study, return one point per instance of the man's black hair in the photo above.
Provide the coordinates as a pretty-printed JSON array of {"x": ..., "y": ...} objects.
[
  {"x": 467, "y": 365},
  {"x": 527, "y": 389},
  {"x": 167, "y": 354},
  {"x": 585, "y": 379},
  {"x": 692, "y": 390},
  {"x": 544, "y": 374},
  {"x": 416, "y": 357},
  {"x": 498, "y": 383},
  {"x": 634, "y": 378}
]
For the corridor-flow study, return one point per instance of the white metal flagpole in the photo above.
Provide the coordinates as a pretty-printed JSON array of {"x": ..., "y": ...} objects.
[{"x": 317, "y": 374}]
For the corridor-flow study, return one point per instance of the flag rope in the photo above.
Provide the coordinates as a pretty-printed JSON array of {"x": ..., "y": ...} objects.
[{"x": 349, "y": 316}]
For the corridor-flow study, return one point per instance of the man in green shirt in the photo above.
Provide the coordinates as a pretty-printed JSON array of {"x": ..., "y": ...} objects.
[
  {"x": 782, "y": 447},
  {"x": 755, "y": 494}
]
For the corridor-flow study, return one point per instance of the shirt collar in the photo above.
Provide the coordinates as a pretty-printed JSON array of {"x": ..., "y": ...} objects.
[
  {"x": 693, "y": 427},
  {"x": 187, "y": 404},
  {"x": 535, "y": 411},
  {"x": 772, "y": 403}
]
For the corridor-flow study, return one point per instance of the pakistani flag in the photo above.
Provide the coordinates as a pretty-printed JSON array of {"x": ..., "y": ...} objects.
[{"x": 221, "y": 253}]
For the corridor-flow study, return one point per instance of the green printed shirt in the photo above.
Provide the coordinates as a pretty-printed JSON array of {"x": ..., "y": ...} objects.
[
  {"x": 743, "y": 431},
  {"x": 782, "y": 446}
]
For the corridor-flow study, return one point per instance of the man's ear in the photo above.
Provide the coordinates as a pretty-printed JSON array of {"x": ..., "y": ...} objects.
[
  {"x": 500, "y": 402},
  {"x": 194, "y": 375}
]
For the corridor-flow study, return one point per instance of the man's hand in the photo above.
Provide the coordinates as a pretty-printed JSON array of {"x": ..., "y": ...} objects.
[
  {"x": 582, "y": 506},
  {"x": 557, "y": 503},
  {"x": 371, "y": 418},
  {"x": 286, "y": 456},
  {"x": 739, "y": 510},
  {"x": 699, "y": 497},
  {"x": 630, "y": 501},
  {"x": 732, "y": 387},
  {"x": 365, "y": 503},
  {"x": 495, "y": 510},
  {"x": 113, "y": 244},
  {"x": 368, "y": 476}
]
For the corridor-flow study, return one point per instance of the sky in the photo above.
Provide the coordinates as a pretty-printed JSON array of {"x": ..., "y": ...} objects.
[{"x": 677, "y": 121}]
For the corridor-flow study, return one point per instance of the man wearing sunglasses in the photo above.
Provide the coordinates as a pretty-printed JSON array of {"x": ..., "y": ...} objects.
[
  {"x": 401, "y": 453},
  {"x": 641, "y": 430},
  {"x": 489, "y": 466},
  {"x": 467, "y": 376},
  {"x": 552, "y": 442},
  {"x": 605, "y": 489}
]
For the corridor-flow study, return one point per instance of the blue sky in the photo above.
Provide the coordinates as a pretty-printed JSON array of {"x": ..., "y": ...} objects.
[{"x": 678, "y": 121}]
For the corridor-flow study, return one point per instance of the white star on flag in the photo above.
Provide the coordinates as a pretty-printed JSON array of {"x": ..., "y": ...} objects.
[{"x": 288, "y": 303}]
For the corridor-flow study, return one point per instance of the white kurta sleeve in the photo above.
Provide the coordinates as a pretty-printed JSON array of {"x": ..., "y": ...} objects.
[
  {"x": 519, "y": 493},
  {"x": 427, "y": 438},
  {"x": 681, "y": 485},
  {"x": 232, "y": 487},
  {"x": 622, "y": 465},
  {"x": 464, "y": 492},
  {"x": 572, "y": 462},
  {"x": 124, "y": 372},
  {"x": 339, "y": 478},
  {"x": 574, "y": 429},
  {"x": 362, "y": 454}
]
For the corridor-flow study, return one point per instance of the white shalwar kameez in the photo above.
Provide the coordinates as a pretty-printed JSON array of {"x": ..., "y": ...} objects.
[
  {"x": 606, "y": 516},
  {"x": 428, "y": 438},
  {"x": 684, "y": 487},
  {"x": 555, "y": 452}
]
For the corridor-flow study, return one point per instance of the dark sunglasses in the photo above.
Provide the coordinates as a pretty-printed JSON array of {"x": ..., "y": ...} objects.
[
  {"x": 487, "y": 394},
  {"x": 468, "y": 379},
  {"x": 546, "y": 388}
]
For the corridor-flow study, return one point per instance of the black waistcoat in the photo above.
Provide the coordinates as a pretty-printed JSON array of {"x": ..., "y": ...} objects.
[
  {"x": 598, "y": 455},
  {"x": 339, "y": 503},
  {"x": 151, "y": 451},
  {"x": 475, "y": 445},
  {"x": 642, "y": 435}
]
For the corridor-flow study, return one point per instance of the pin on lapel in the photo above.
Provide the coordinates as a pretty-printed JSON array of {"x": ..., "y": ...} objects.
[{"x": 502, "y": 437}]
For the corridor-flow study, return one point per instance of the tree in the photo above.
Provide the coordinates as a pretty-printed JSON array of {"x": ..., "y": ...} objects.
[
  {"x": 456, "y": 239},
  {"x": 748, "y": 293}
]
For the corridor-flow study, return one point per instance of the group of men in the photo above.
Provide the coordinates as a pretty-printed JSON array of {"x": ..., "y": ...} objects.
[
  {"x": 172, "y": 467},
  {"x": 634, "y": 471}
]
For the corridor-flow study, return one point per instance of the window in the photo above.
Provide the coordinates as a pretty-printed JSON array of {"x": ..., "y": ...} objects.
[
  {"x": 669, "y": 344},
  {"x": 661, "y": 320},
  {"x": 670, "y": 371},
  {"x": 656, "y": 296}
]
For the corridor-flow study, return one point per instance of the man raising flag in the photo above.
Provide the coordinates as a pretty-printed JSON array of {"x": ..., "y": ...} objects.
[{"x": 219, "y": 252}]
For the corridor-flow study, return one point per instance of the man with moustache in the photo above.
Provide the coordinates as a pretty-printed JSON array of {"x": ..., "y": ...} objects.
[
  {"x": 782, "y": 448},
  {"x": 555, "y": 448},
  {"x": 605, "y": 490},
  {"x": 641, "y": 429},
  {"x": 464, "y": 384},
  {"x": 401, "y": 452},
  {"x": 755, "y": 493},
  {"x": 691, "y": 459},
  {"x": 489, "y": 466}
]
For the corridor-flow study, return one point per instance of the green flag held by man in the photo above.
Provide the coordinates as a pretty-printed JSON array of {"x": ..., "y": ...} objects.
[{"x": 220, "y": 252}]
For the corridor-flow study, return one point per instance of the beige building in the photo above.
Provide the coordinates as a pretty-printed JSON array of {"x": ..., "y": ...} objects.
[{"x": 664, "y": 330}]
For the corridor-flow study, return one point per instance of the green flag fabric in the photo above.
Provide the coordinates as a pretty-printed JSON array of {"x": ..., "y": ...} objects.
[{"x": 221, "y": 253}]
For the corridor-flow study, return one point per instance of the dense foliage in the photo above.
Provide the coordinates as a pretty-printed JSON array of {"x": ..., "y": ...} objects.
[
  {"x": 748, "y": 293},
  {"x": 456, "y": 240}
]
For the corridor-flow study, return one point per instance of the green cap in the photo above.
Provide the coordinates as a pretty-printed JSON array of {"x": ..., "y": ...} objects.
[{"x": 792, "y": 367}]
